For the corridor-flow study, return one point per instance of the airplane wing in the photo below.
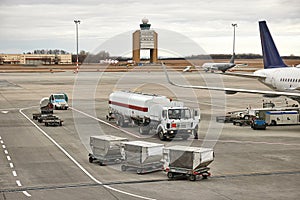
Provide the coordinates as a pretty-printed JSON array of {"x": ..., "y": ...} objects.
[
  {"x": 234, "y": 90},
  {"x": 245, "y": 75}
]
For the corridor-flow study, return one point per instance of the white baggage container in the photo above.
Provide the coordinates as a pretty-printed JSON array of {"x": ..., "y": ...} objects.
[
  {"x": 189, "y": 161},
  {"x": 142, "y": 156},
  {"x": 106, "y": 148}
]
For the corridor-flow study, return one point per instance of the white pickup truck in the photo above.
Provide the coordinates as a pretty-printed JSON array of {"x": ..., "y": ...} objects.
[{"x": 59, "y": 101}]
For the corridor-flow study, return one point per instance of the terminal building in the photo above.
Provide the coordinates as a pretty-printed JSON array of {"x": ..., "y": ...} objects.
[{"x": 35, "y": 59}]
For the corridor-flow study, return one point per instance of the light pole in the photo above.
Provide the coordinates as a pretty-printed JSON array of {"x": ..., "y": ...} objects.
[
  {"x": 77, "y": 22},
  {"x": 234, "y": 25}
]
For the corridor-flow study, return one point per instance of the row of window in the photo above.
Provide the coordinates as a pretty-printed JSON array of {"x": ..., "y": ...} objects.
[{"x": 294, "y": 80}]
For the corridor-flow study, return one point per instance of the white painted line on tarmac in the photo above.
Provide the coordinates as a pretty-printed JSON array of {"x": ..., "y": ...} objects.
[
  {"x": 11, "y": 109},
  {"x": 79, "y": 165},
  {"x": 18, "y": 183},
  {"x": 8, "y": 158},
  {"x": 26, "y": 194},
  {"x": 11, "y": 165},
  {"x": 104, "y": 122},
  {"x": 253, "y": 142},
  {"x": 14, "y": 173}
]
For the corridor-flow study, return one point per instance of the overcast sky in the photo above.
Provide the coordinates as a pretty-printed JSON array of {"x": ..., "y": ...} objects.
[{"x": 27, "y": 25}]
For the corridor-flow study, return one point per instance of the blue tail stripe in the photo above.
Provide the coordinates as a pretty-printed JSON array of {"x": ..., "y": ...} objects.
[{"x": 271, "y": 55}]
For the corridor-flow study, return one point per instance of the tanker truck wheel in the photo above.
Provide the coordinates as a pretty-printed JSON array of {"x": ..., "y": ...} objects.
[
  {"x": 195, "y": 132},
  {"x": 161, "y": 135},
  {"x": 120, "y": 121},
  {"x": 91, "y": 159}
]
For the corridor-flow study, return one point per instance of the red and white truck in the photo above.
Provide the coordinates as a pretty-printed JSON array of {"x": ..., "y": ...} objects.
[{"x": 153, "y": 113}]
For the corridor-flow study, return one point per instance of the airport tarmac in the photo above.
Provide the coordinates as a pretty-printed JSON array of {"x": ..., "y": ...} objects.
[{"x": 39, "y": 162}]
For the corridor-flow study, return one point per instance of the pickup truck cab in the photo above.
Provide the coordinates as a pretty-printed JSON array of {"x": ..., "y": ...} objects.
[{"x": 59, "y": 101}]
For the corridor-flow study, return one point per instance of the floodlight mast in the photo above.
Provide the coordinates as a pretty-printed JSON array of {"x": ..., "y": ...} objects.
[
  {"x": 76, "y": 23},
  {"x": 234, "y": 25}
]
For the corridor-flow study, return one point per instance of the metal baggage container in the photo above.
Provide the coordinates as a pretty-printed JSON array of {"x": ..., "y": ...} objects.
[
  {"x": 106, "y": 149},
  {"x": 188, "y": 161},
  {"x": 143, "y": 156}
]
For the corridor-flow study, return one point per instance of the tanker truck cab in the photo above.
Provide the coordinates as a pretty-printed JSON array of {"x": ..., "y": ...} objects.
[
  {"x": 178, "y": 121},
  {"x": 59, "y": 101}
]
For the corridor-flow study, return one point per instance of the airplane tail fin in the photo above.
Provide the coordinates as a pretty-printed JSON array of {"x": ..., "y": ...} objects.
[
  {"x": 271, "y": 55},
  {"x": 232, "y": 58}
]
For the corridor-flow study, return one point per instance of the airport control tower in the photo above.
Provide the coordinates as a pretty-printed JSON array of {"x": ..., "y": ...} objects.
[{"x": 144, "y": 39}]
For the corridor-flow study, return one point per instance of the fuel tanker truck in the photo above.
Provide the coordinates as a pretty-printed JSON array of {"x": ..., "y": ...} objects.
[{"x": 156, "y": 113}]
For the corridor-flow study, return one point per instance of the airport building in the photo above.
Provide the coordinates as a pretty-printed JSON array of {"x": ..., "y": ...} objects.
[{"x": 35, "y": 59}]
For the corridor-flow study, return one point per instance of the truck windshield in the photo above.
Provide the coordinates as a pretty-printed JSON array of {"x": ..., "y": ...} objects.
[
  {"x": 59, "y": 96},
  {"x": 179, "y": 113}
]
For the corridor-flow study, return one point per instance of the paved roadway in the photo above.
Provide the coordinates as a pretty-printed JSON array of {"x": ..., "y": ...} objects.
[{"x": 38, "y": 162}]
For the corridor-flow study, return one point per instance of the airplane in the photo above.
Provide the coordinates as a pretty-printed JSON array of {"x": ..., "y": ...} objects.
[
  {"x": 187, "y": 69},
  {"x": 219, "y": 66},
  {"x": 284, "y": 80}
]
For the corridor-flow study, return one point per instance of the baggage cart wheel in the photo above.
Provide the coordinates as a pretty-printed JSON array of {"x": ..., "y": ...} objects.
[
  {"x": 170, "y": 175},
  {"x": 192, "y": 177},
  {"x": 101, "y": 163},
  {"x": 123, "y": 168},
  {"x": 91, "y": 159},
  {"x": 139, "y": 171}
]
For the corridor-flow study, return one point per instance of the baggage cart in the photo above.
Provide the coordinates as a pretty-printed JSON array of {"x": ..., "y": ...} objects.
[
  {"x": 144, "y": 157},
  {"x": 53, "y": 121},
  {"x": 187, "y": 161},
  {"x": 42, "y": 117},
  {"x": 106, "y": 149}
]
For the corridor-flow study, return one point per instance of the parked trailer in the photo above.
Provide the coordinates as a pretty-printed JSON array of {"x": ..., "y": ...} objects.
[
  {"x": 153, "y": 113},
  {"x": 142, "y": 156},
  {"x": 187, "y": 161},
  {"x": 282, "y": 117},
  {"x": 106, "y": 149}
]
